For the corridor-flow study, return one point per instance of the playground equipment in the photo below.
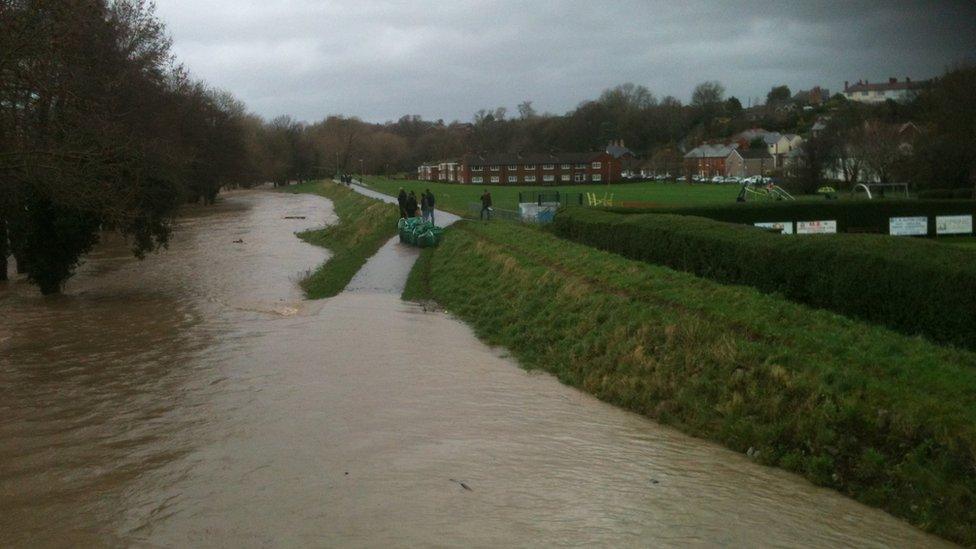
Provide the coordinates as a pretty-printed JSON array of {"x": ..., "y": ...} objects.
[
  {"x": 593, "y": 200},
  {"x": 754, "y": 189},
  {"x": 879, "y": 189}
]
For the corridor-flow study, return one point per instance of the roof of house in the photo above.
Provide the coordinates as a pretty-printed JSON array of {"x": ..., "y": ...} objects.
[
  {"x": 711, "y": 151},
  {"x": 530, "y": 158},
  {"x": 891, "y": 85},
  {"x": 618, "y": 151}
]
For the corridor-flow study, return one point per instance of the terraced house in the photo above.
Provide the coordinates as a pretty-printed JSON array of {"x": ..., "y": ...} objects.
[{"x": 540, "y": 168}]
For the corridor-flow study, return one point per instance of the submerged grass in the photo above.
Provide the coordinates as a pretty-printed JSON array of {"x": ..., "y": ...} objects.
[
  {"x": 885, "y": 418},
  {"x": 364, "y": 225}
]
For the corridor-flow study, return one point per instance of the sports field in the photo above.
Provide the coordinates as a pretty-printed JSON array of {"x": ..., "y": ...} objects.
[{"x": 455, "y": 197}]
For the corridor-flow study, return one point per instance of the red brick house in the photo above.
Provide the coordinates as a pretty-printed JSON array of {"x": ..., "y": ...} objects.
[
  {"x": 712, "y": 160},
  {"x": 539, "y": 168}
]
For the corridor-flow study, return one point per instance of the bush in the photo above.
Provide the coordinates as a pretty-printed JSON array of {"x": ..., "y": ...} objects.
[
  {"x": 940, "y": 194},
  {"x": 851, "y": 215},
  {"x": 962, "y": 193},
  {"x": 911, "y": 285}
]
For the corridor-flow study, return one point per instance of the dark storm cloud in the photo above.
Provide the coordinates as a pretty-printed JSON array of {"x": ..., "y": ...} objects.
[{"x": 383, "y": 59}]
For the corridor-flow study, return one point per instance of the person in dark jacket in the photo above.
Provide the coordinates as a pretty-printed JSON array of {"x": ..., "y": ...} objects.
[
  {"x": 424, "y": 208},
  {"x": 486, "y": 205},
  {"x": 402, "y": 202},
  {"x": 412, "y": 204},
  {"x": 430, "y": 205}
]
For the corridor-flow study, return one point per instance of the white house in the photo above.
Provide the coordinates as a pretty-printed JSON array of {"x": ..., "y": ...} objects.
[{"x": 866, "y": 92}]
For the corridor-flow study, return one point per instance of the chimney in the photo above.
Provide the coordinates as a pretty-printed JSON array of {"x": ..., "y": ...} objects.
[{"x": 892, "y": 80}]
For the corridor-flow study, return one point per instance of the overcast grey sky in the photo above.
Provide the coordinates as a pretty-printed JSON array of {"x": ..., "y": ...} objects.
[{"x": 381, "y": 59}]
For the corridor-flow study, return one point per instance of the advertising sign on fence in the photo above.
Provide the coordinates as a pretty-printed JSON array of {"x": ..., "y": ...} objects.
[
  {"x": 953, "y": 224},
  {"x": 908, "y": 226},
  {"x": 785, "y": 227},
  {"x": 816, "y": 227}
]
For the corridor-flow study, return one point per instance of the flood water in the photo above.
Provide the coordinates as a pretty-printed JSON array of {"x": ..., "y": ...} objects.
[{"x": 195, "y": 399}]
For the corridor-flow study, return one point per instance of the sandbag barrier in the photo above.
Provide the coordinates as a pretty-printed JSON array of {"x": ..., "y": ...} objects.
[{"x": 417, "y": 232}]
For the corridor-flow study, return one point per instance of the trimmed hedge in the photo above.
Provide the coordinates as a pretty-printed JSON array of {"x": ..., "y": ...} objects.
[
  {"x": 959, "y": 193},
  {"x": 864, "y": 216},
  {"x": 914, "y": 286}
]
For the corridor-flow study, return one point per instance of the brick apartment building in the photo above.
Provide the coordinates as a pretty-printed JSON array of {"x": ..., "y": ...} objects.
[{"x": 529, "y": 169}]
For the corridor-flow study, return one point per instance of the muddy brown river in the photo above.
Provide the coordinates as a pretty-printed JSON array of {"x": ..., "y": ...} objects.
[{"x": 195, "y": 399}]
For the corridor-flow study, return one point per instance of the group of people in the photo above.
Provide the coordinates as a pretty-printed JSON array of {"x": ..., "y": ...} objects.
[{"x": 408, "y": 204}]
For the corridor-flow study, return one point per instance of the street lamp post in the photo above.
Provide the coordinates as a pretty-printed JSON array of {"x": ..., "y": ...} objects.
[{"x": 362, "y": 172}]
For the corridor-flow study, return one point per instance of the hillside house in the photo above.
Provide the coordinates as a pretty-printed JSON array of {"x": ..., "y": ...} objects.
[{"x": 866, "y": 92}]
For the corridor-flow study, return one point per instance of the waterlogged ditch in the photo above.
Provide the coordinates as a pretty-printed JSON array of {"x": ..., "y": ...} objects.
[{"x": 196, "y": 399}]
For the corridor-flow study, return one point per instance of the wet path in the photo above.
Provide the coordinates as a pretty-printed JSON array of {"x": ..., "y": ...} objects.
[{"x": 202, "y": 403}]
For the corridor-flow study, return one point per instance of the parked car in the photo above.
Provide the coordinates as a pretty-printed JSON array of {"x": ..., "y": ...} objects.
[{"x": 681, "y": 179}]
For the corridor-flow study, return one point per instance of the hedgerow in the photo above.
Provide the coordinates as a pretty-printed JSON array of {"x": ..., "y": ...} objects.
[
  {"x": 867, "y": 216},
  {"x": 911, "y": 285}
]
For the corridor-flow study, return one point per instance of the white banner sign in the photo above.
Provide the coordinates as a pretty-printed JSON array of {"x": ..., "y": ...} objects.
[
  {"x": 816, "y": 227},
  {"x": 785, "y": 227},
  {"x": 953, "y": 224},
  {"x": 908, "y": 226}
]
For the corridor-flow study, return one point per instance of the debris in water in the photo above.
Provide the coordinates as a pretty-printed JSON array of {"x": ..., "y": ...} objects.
[{"x": 463, "y": 485}]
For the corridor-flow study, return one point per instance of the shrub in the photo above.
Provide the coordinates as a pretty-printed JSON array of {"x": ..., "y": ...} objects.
[
  {"x": 851, "y": 215},
  {"x": 911, "y": 285}
]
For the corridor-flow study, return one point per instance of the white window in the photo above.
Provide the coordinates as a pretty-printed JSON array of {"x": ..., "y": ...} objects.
[
  {"x": 581, "y": 166},
  {"x": 495, "y": 168},
  {"x": 565, "y": 177},
  {"x": 579, "y": 178},
  {"x": 477, "y": 168},
  {"x": 548, "y": 178},
  {"x": 548, "y": 166},
  {"x": 477, "y": 179},
  {"x": 564, "y": 166},
  {"x": 597, "y": 177},
  {"x": 530, "y": 179},
  {"x": 494, "y": 179},
  {"x": 597, "y": 165},
  {"x": 512, "y": 179},
  {"x": 512, "y": 167}
]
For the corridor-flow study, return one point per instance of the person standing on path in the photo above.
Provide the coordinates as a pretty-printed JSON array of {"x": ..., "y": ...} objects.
[
  {"x": 412, "y": 204},
  {"x": 424, "y": 207},
  {"x": 486, "y": 205},
  {"x": 402, "y": 202},
  {"x": 430, "y": 205}
]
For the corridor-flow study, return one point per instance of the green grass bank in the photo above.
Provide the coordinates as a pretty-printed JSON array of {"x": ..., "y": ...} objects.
[
  {"x": 364, "y": 225},
  {"x": 915, "y": 286},
  {"x": 887, "y": 419},
  {"x": 455, "y": 197}
]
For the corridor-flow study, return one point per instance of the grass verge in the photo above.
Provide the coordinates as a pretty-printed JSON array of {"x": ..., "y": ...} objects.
[
  {"x": 887, "y": 419},
  {"x": 364, "y": 225}
]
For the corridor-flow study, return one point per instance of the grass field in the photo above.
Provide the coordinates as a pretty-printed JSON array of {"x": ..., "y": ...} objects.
[
  {"x": 455, "y": 197},
  {"x": 364, "y": 225},
  {"x": 882, "y": 417}
]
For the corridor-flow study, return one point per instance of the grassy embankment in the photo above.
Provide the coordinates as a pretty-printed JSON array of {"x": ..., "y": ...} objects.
[
  {"x": 455, "y": 197},
  {"x": 884, "y": 418},
  {"x": 364, "y": 225}
]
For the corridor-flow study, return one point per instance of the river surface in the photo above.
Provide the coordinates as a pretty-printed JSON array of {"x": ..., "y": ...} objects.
[{"x": 195, "y": 398}]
